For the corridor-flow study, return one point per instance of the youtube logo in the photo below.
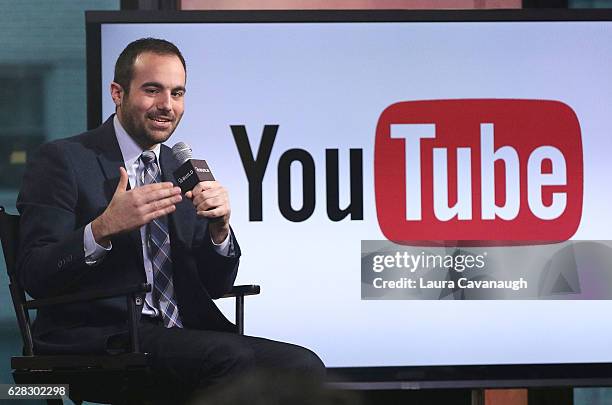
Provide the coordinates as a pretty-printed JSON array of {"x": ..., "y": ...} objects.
[{"x": 478, "y": 170}]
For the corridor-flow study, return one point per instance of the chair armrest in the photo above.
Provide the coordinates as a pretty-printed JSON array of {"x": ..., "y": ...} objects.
[
  {"x": 88, "y": 296},
  {"x": 242, "y": 290},
  {"x": 239, "y": 291}
]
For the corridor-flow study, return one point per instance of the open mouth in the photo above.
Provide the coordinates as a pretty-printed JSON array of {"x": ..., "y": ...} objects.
[{"x": 161, "y": 122}]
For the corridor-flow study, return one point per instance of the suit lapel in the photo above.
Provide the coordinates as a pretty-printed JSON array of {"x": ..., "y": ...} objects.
[{"x": 110, "y": 160}]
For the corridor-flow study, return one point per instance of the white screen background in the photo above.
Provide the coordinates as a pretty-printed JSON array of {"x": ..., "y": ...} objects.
[{"x": 325, "y": 85}]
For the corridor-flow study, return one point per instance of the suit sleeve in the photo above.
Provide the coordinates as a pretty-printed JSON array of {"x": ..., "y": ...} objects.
[
  {"x": 51, "y": 254},
  {"x": 216, "y": 271}
]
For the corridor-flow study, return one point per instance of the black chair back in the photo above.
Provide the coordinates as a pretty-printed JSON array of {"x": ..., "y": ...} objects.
[{"x": 9, "y": 234}]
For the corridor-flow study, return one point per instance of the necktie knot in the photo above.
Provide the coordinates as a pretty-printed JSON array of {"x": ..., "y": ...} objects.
[{"x": 147, "y": 157}]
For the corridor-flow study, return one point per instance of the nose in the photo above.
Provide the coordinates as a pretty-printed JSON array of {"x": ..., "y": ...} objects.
[{"x": 164, "y": 100}]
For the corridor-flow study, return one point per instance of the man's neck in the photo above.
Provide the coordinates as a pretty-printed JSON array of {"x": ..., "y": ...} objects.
[
  {"x": 130, "y": 149},
  {"x": 127, "y": 131}
]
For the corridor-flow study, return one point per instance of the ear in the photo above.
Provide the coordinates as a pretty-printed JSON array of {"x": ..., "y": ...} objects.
[{"x": 116, "y": 93}]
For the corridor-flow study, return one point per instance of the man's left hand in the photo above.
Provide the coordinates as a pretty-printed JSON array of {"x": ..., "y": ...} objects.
[{"x": 212, "y": 201}]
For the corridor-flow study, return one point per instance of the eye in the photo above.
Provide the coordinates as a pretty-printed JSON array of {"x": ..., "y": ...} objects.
[
  {"x": 151, "y": 90},
  {"x": 178, "y": 93}
]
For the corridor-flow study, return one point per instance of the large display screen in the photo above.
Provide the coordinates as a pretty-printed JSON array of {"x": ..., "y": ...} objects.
[{"x": 447, "y": 138}]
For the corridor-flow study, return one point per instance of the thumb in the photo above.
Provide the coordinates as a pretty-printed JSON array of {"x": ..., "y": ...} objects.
[{"x": 123, "y": 181}]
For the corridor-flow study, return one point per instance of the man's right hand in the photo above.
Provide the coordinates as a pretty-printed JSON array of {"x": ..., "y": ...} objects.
[{"x": 131, "y": 209}]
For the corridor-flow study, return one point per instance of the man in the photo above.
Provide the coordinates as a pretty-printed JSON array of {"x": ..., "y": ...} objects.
[{"x": 101, "y": 209}]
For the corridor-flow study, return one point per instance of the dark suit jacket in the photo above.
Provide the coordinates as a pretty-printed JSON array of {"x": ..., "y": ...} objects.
[{"x": 68, "y": 184}]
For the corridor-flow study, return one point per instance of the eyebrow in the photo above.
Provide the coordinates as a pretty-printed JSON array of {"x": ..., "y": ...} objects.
[{"x": 160, "y": 86}]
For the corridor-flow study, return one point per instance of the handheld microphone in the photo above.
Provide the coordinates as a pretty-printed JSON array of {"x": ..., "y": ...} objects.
[{"x": 192, "y": 171}]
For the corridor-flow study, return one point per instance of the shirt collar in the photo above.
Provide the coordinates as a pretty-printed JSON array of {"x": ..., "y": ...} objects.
[{"x": 130, "y": 150}]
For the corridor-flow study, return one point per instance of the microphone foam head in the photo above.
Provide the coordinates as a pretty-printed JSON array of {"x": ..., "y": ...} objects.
[{"x": 182, "y": 152}]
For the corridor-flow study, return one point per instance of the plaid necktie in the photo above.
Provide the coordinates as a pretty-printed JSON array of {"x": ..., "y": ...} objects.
[{"x": 158, "y": 241}]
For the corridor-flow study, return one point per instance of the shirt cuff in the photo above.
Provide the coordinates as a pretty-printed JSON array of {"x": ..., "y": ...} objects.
[
  {"x": 224, "y": 248},
  {"x": 94, "y": 253}
]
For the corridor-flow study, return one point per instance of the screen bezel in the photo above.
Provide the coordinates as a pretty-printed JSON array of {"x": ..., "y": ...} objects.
[{"x": 406, "y": 377}]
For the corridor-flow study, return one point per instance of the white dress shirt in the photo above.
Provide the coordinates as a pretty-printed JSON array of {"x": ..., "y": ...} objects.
[{"x": 95, "y": 253}]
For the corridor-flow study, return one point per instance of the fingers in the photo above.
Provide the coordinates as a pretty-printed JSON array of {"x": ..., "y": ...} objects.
[
  {"x": 205, "y": 185},
  {"x": 150, "y": 195},
  {"x": 156, "y": 209},
  {"x": 206, "y": 197},
  {"x": 159, "y": 213},
  {"x": 214, "y": 207},
  {"x": 207, "y": 189},
  {"x": 208, "y": 194},
  {"x": 123, "y": 181},
  {"x": 213, "y": 213},
  {"x": 155, "y": 186},
  {"x": 159, "y": 204},
  {"x": 154, "y": 202},
  {"x": 211, "y": 203},
  {"x": 210, "y": 199}
]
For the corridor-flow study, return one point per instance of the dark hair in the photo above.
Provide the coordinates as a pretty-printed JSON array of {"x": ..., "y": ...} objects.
[{"x": 124, "y": 67}]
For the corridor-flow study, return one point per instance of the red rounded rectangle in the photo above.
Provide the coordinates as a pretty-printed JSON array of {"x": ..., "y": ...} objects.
[{"x": 489, "y": 169}]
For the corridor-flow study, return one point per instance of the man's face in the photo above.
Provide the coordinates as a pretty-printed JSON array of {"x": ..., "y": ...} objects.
[{"x": 155, "y": 103}]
